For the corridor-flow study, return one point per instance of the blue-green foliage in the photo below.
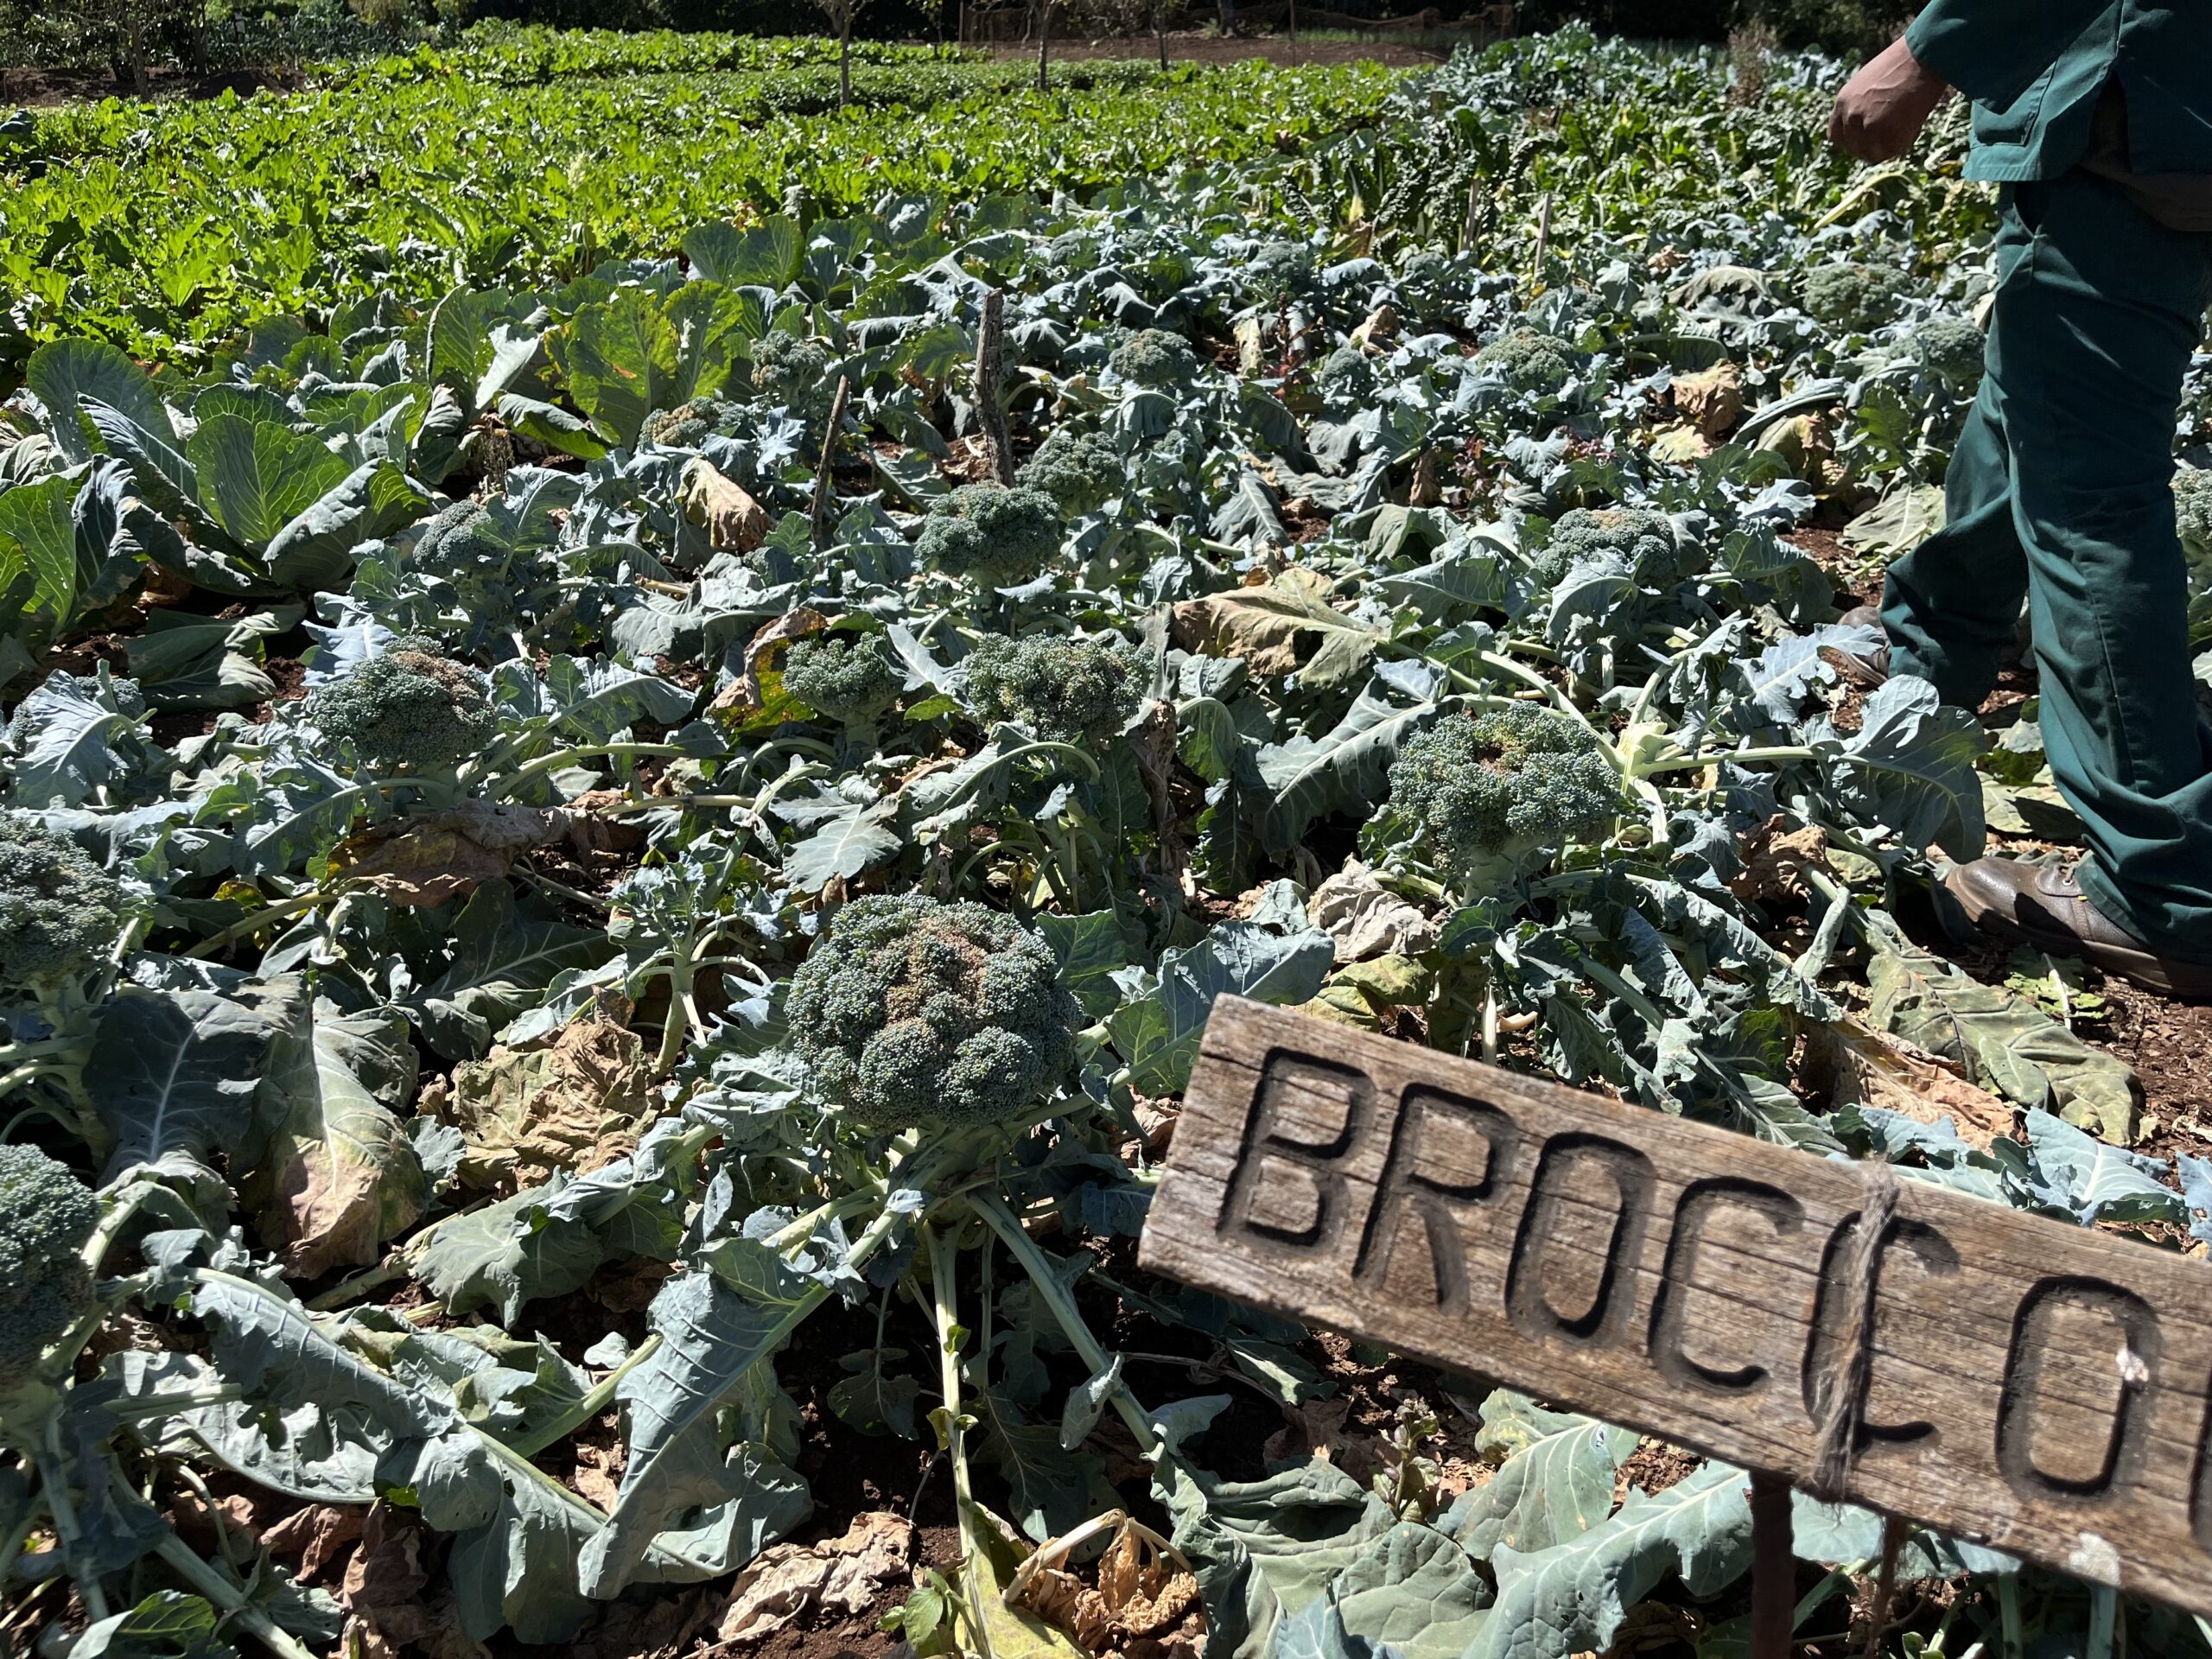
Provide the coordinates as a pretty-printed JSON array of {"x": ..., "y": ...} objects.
[
  {"x": 912, "y": 1012},
  {"x": 1001, "y": 537},
  {"x": 1069, "y": 690},
  {"x": 408, "y": 709},
  {"x": 59, "y": 910},
  {"x": 1503, "y": 785},
  {"x": 45, "y": 1216},
  {"x": 844, "y": 677},
  {"x": 1082, "y": 471}
]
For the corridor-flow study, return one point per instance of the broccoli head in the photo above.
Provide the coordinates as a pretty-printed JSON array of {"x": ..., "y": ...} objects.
[
  {"x": 794, "y": 371},
  {"x": 1950, "y": 347},
  {"x": 1528, "y": 361},
  {"x": 912, "y": 1012},
  {"x": 1082, "y": 471},
  {"x": 1346, "y": 374},
  {"x": 1001, "y": 537},
  {"x": 843, "y": 677},
  {"x": 687, "y": 425},
  {"x": 408, "y": 709},
  {"x": 45, "y": 1216},
  {"x": 2193, "y": 509},
  {"x": 1279, "y": 272},
  {"x": 1503, "y": 785},
  {"x": 1066, "y": 690},
  {"x": 59, "y": 912},
  {"x": 1850, "y": 296},
  {"x": 1636, "y": 543},
  {"x": 1155, "y": 356}
]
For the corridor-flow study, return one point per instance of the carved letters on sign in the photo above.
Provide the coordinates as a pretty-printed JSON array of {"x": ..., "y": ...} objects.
[{"x": 2009, "y": 1380}]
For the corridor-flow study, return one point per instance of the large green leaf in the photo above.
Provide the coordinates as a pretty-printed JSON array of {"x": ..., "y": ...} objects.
[
  {"x": 1157, "y": 1034},
  {"x": 504, "y": 955},
  {"x": 1346, "y": 770},
  {"x": 257, "y": 476},
  {"x": 314, "y": 548},
  {"x": 340, "y": 1176},
  {"x": 1910, "y": 768},
  {"x": 1413, "y": 1592},
  {"x": 506, "y": 1253},
  {"x": 1572, "y": 1597},
  {"x": 635, "y": 353},
  {"x": 63, "y": 372},
  {"x": 732, "y": 1502},
  {"x": 38, "y": 541},
  {"x": 1555, "y": 1483},
  {"x": 176, "y": 1071}
]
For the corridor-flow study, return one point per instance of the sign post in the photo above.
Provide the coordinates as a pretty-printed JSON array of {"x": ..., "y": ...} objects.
[{"x": 2006, "y": 1379}]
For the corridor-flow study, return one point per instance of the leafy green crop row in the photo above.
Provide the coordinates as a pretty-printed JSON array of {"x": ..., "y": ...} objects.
[{"x": 167, "y": 228}]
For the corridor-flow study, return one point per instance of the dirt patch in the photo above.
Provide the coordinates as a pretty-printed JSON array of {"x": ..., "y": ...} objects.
[
  {"x": 35, "y": 89},
  {"x": 1193, "y": 47}
]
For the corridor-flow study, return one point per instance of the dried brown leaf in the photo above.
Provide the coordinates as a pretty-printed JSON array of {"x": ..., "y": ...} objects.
[
  {"x": 841, "y": 1575},
  {"x": 723, "y": 508},
  {"x": 1859, "y": 1066},
  {"x": 573, "y": 1105}
]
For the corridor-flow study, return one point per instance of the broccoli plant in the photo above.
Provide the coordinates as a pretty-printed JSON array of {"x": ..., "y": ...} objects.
[
  {"x": 687, "y": 425},
  {"x": 64, "y": 924},
  {"x": 796, "y": 371},
  {"x": 914, "y": 1013},
  {"x": 1531, "y": 362},
  {"x": 407, "y": 710},
  {"x": 2193, "y": 518},
  {"x": 998, "y": 537},
  {"x": 851, "y": 679},
  {"x": 1066, "y": 690},
  {"x": 1849, "y": 295},
  {"x": 1081, "y": 471},
  {"x": 46, "y": 1217},
  {"x": 1501, "y": 789},
  {"x": 1154, "y": 356}
]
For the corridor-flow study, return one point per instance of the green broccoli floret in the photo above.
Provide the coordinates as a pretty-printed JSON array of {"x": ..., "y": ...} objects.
[
  {"x": 1852, "y": 295},
  {"x": 59, "y": 912},
  {"x": 1528, "y": 361},
  {"x": 1153, "y": 357},
  {"x": 1638, "y": 543},
  {"x": 1503, "y": 785},
  {"x": 1949, "y": 347},
  {"x": 1066, "y": 690},
  {"x": 1279, "y": 272},
  {"x": 408, "y": 709},
  {"x": 1001, "y": 537},
  {"x": 45, "y": 1216},
  {"x": 1082, "y": 471},
  {"x": 2193, "y": 509},
  {"x": 687, "y": 424},
  {"x": 1346, "y": 374},
  {"x": 845, "y": 678},
  {"x": 911, "y": 1012},
  {"x": 794, "y": 371}
]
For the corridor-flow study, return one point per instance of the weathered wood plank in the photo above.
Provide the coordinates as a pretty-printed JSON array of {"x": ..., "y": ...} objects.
[{"x": 2039, "y": 1388}]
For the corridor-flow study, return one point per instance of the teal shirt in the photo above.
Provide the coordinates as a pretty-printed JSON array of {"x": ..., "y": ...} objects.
[{"x": 2035, "y": 68}]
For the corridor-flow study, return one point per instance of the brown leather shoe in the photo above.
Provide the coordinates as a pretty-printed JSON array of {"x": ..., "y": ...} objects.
[
  {"x": 1868, "y": 668},
  {"x": 2043, "y": 906}
]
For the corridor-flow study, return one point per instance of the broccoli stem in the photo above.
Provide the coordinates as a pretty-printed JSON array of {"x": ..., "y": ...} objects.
[
  {"x": 225, "y": 1595},
  {"x": 1003, "y": 1222},
  {"x": 594, "y": 1400},
  {"x": 54, "y": 1486},
  {"x": 249, "y": 925},
  {"x": 943, "y": 1296},
  {"x": 1741, "y": 757},
  {"x": 560, "y": 758}
]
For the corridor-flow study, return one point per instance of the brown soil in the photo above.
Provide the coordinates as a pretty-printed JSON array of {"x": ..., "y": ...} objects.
[
  {"x": 44, "y": 88},
  {"x": 1192, "y": 47}
]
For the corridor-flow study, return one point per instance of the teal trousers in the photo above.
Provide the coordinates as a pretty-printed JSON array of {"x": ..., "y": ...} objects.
[{"x": 2061, "y": 492}]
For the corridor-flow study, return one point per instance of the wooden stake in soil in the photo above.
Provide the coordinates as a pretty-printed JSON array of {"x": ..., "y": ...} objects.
[
  {"x": 2036, "y": 1388},
  {"x": 1774, "y": 1567},
  {"x": 990, "y": 374},
  {"x": 823, "y": 492},
  {"x": 1543, "y": 240}
]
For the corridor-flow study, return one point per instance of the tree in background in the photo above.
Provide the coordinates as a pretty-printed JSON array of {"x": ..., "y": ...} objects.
[{"x": 840, "y": 13}]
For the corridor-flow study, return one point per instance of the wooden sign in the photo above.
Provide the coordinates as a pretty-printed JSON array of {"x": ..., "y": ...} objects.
[{"x": 2009, "y": 1380}]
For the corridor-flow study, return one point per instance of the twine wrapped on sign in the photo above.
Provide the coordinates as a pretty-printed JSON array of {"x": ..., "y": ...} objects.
[{"x": 1840, "y": 1391}]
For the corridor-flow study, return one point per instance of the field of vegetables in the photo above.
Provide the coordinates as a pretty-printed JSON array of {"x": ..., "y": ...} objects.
[{"x": 614, "y": 844}]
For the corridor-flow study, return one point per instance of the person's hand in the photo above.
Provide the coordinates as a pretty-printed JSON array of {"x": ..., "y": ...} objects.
[{"x": 1881, "y": 113}]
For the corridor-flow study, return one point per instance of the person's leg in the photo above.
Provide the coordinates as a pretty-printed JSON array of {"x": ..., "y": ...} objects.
[
  {"x": 1951, "y": 608},
  {"x": 2094, "y": 328}
]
